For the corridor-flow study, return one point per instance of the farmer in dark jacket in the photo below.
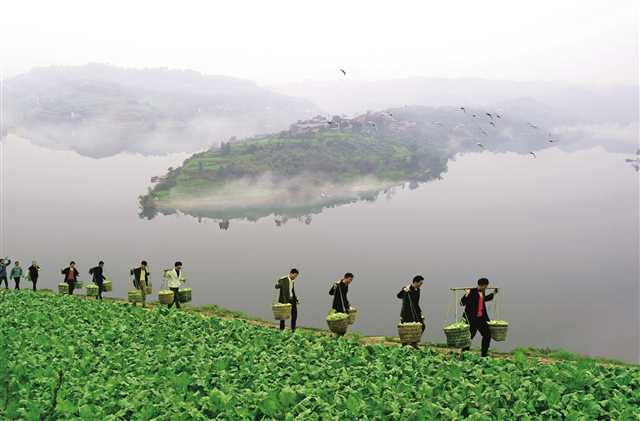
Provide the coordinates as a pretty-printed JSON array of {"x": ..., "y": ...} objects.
[
  {"x": 410, "y": 296},
  {"x": 141, "y": 280},
  {"x": 288, "y": 295},
  {"x": 339, "y": 291},
  {"x": 33, "y": 272},
  {"x": 98, "y": 277},
  {"x": 4, "y": 263},
  {"x": 70, "y": 276},
  {"x": 475, "y": 311}
]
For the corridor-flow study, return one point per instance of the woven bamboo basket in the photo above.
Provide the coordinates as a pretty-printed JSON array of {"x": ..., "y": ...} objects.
[
  {"x": 92, "y": 290},
  {"x": 353, "y": 314},
  {"x": 458, "y": 337},
  {"x": 281, "y": 311},
  {"x": 63, "y": 288},
  {"x": 410, "y": 333},
  {"x": 185, "y": 295},
  {"x": 135, "y": 296},
  {"x": 338, "y": 322},
  {"x": 79, "y": 284},
  {"x": 498, "y": 329},
  {"x": 107, "y": 285},
  {"x": 148, "y": 289},
  {"x": 165, "y": 296}
]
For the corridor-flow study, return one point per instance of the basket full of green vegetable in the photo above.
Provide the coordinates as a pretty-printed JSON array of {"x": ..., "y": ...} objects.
[
  {"x": 281, "y": 311},
  {"x": 184, "y": 294},
  {"x": 165, "y": 296},
  {"x": 134, "y": 296},
  {"x": 410, "y": 332},
  {"x": 338, "y": 322},
  {"x": 458, "y": 334},
  {"x": 92, "y": 290},
  {"x": 498, "y": 329},
  {"x": 107, "y": 285}
]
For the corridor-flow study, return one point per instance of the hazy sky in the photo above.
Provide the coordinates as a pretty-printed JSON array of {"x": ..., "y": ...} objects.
[{"x": 583, "y": 41}]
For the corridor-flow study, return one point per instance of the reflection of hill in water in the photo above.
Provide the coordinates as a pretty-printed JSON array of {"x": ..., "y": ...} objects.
[{"x": 282, "y": 214}]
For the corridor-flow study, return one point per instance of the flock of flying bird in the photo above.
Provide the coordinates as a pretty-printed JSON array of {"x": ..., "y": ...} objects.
[
  {"x": 635, "y": 162},
  {"x": 463, "y": 109},
  {"x": 492, "y": 123}
]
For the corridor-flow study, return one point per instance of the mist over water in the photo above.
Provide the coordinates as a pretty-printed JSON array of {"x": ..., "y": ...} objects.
[{"x": 558, "y": 234}]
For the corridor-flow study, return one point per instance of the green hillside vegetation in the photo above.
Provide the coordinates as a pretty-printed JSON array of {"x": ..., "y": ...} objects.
[{"x": 66, "y": 358}]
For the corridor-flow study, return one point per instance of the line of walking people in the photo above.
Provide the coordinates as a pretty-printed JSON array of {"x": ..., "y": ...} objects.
[
  {"x": 17, "y": 273},
  {"x": 140, "y": 277},
  {"x": 474, "y": 301}
]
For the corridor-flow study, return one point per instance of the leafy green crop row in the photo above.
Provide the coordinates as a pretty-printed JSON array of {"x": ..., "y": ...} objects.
[{"x": 125, "y": 363}]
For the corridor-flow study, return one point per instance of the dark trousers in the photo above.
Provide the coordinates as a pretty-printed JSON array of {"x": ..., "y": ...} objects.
[
  {"x": 176, "y": 297},
  {"x": 100, "y": 289},
  {"x": 72, "y": 286},
  {"x": 481, "y": 325},
  {"x": 294, "y": 317},
  {"x": 6, "y": 282},
  {"x": 34, "y": 281},
  {"x": 17, "y": 281}
]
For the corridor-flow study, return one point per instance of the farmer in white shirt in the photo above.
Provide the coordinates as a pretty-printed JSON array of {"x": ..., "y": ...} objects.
[{"x": 175, "y": 278}]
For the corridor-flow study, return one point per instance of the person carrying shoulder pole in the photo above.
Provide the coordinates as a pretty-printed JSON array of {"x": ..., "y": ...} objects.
[
  {"x": 288, "y": 295},
  {"x": 70, "y": 276},
  {"x": 475, "y": 309},
  {"x": 3, "y": 271},
  {"x": 410, "y": 296},
  {"x": 16, "y": 274},
  {"x": 33, "y": 272},
  {"x": 141, "y": 280},
  {"x": 175, "y": 278},
  {"x": 339, "y": 291},
  {"x": 98, "y": 277}
]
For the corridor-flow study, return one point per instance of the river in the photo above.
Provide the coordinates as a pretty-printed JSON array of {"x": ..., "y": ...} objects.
[{"x": 558, "y": 234}]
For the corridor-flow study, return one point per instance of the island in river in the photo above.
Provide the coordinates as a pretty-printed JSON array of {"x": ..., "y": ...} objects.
[{"x": 322, "y": 162}]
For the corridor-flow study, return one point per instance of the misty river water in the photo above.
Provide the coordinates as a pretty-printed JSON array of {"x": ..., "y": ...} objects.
[{"x": 558, "y": 234}]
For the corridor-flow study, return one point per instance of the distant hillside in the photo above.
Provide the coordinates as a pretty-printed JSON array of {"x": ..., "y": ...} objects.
[
  {"x": 573, "y": 104},
  {"x": 100, "y": 110},
  {"x": 319, "y": 163}
]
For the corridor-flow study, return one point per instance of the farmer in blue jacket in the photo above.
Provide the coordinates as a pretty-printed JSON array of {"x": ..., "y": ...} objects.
[
  {"x": 16, "y": 274},
  {"x": 3, "y": 271}
]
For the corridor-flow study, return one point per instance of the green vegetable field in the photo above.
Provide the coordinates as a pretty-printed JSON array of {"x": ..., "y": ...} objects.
[{"x": 119, "y": 362}]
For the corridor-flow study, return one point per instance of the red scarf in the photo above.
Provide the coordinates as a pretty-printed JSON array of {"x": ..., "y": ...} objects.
[{"x": 480, "y": 305}]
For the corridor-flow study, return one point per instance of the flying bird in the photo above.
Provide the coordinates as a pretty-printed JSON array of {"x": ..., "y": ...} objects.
[
  {"x": 344, "y": 73},
  {"x": 483, "y": 132},
  {"x": 489, "y": 114},
  {"x": 498, "y": 115},
  {"x": 480, "y": 144},
  {"x": 463, "y": 109},
  {"x": 492, "y": 123},
  {"x": 533, "y": 126},
  {"x": 533, "y": 154},
  {"x": 552, "y": 141},
  {"x": 473, "y": 115}
]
